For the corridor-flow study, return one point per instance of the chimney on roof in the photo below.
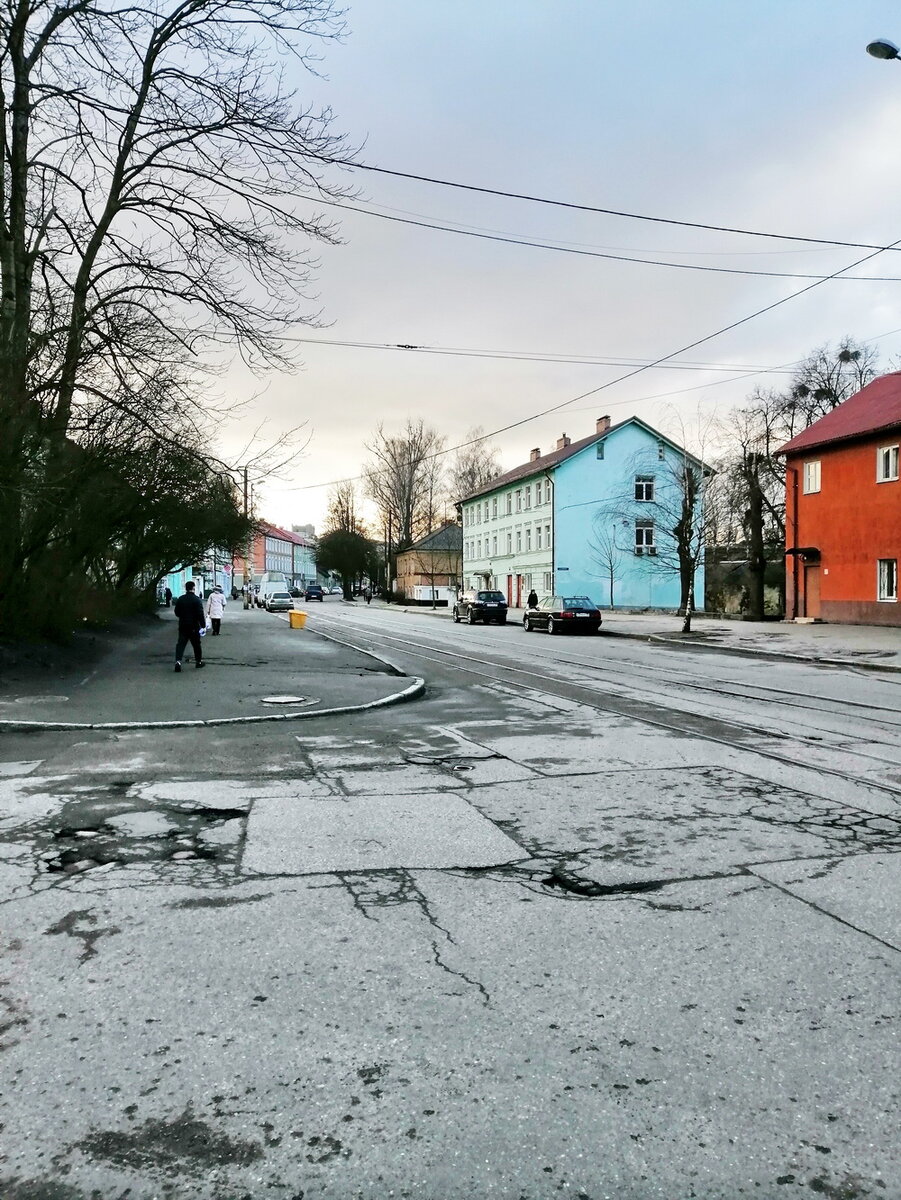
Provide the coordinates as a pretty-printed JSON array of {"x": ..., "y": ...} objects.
[
  {"x": 563, "y": 442},
  {"x": 533, "y": 454},
  {"x": 603, "y": 424}
]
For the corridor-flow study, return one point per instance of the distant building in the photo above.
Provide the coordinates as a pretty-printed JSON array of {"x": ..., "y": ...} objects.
[
  {"x": 586, "y": 519},
  {"x": 843, "y": 511},
  {"x": 276, "y": 549},
  {"x": 429, "y": 572},
  {"x": 307, "y": 530}
]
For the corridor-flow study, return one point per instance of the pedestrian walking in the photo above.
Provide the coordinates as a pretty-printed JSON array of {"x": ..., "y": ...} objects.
[
  {"x": 191, "y": 620},
  {"x": 215, "y": 607},
  {"x": 368, "y": 595},
  {"x": 167, "y": 596},
  {"x": 532, "y": 599}
]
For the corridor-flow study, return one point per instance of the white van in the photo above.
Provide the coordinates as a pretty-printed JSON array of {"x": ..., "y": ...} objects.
[{"x": 271, "y": 581}]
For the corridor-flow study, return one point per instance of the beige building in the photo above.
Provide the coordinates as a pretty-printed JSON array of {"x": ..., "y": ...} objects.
[{"x": 429, "y": 572}]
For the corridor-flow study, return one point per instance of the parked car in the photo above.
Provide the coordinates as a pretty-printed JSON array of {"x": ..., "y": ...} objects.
[
  {"x": 481, "y": 606},
  {"x": 336, "y": 591},
  {"x": 279, "y": 602},
  {"x": 562, "y": 614},
  {"x": 313, "y": 592}
]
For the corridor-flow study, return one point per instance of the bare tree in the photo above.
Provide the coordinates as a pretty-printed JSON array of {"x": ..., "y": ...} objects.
[
  {"x": 158, "y": 184},
  {"x": 403, "y": 479},
  {"x": 606, "y": 551},
  {"x": 474, "y": 464},
  {"x": 342, "y": 514}
]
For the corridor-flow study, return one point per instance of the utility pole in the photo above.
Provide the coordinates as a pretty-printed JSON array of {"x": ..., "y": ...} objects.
[{"x": 247, "y": 549}]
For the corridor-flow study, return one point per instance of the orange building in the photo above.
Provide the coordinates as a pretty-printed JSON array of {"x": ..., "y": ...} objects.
[{"x": 843, "y": 511}]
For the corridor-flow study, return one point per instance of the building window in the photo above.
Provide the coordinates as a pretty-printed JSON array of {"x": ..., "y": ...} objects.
[
  {"x": 886, "y": 464},
  {"x": 661, "y": 450},
  {"x": 548, "y": 581},
  {"x": 537, "y": 493},
  {"x": 518, "y": 540},
  {"x": 600, "y": 449},
  {"x": 644, "y": 487},
  {"x": 528, "y": 496},
  {"x": 479, "y": 544},
  {"x": 528, "y": 537},
  {"x": 811, "y": 477},
  {"x": 547, "y": 536},
  {"x": 644, "y": 537},
  {"x": 537, "y": 537},
  {"x": 509, "y": 503},
  {"x": 509, "y": 543},
  {"x": 494, "y": 508},
  {"x": 519, "y": 499},
  {"x": 888, "y": 579},
  {"x": 494, "y": 545}
]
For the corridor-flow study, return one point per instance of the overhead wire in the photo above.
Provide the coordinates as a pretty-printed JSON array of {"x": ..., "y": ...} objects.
[
  {"x": 629, "y": 374},
  {"x": 584, "y": 253},
  {"x": 593, "y": 208}
]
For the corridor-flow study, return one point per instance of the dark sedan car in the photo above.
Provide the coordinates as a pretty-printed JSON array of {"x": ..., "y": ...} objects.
[
  {"x": 562, "y": 614},
  {"x": 313, "y": 592},
  {"x": 481, "y": 606}
]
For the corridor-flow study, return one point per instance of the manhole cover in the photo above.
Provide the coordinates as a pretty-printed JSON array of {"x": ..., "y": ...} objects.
[
  {"x": 286, "y": 700},
  {"x": 41, "y": 699}
]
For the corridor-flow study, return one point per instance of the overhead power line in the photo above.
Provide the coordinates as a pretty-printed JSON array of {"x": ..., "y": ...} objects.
[
  {"x": 519, "y": 356},
  {"x": 509, "y": 240},
  {"x": 592, "y": 208},
  {"x": 636, "y": 371}
]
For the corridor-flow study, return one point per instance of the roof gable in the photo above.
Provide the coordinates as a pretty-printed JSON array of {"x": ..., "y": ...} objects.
[
  {"x": 874, "y": 408},
  {"x": 448, "y": 537},
  {"x": 540, "y": 465}
]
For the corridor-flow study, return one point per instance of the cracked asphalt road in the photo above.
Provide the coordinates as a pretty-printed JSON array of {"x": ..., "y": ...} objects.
[{"x": 591, "y": 919}]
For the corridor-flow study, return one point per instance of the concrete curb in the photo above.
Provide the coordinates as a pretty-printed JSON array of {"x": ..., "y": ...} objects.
[
  {"x": 749, "y": 652},
  {"x": 416, "y": 688}
]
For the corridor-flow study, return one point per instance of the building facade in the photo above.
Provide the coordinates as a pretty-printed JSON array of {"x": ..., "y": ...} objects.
[
  {"x": 430, "y": 572},
  {"x": 589, "y": 518},
  {"x": 280, "y": 550},
  {"x": 843, "y": 511}
]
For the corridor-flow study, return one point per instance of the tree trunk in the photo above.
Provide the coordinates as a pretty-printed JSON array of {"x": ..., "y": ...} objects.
[{"x": 754, "y": 527}]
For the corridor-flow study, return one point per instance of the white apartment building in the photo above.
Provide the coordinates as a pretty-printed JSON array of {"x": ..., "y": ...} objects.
[{"x": 508, "y": 531}]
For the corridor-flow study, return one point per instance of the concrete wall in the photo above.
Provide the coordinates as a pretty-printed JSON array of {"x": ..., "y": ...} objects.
[{"x": 595, "y": 509}]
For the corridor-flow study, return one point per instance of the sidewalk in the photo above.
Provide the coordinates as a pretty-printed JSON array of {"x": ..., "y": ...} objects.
[
  {"x": 258, "y": 669},
  {"x": 873, "y": 646}
]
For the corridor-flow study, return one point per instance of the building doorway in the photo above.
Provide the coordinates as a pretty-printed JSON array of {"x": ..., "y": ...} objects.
[{"x": 812, "y": 590}]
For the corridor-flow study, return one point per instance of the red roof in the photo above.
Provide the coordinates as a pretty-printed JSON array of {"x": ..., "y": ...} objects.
[
  {"x": 284, "y": 535},
  {"x": 875, "y": 408}
]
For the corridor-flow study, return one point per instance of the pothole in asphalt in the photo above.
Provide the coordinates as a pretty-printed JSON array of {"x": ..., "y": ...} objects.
[
  {"x": 146, "y": 836},
  {"x": 577, "y": 886}
]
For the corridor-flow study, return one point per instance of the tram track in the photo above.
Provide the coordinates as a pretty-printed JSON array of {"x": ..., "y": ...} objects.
[{"x": 671, "y": 720}]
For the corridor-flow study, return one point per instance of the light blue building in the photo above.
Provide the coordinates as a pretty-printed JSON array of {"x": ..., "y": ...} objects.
[{"x": 592, "y": 518}]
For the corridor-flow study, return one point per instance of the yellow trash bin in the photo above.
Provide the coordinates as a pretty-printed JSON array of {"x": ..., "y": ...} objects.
[{"x": 297, "y": 619}]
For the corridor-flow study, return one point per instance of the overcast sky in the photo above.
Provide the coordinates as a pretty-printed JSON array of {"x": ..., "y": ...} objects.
[{"x": 765, "y": 116}]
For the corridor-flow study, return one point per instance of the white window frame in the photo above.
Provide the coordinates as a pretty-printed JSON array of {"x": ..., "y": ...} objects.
[
  {"x": 518, "y": 541},
  {"x": 494, "y": 508},
  {"x": 646, "y": 485},
  {"x": 528, "y": 537},
  {"x": 519, "y": 499},
  {"x": 509, "y": 504},
  {"x": 887, "y": 580},
  {"x": 644, "y": 537},
  {"x": 494, "y": 546},
  {"x": 509, "y": 542},
  {"x": 528, "y": 495},
  {"x": 538, "y": 545},
  {"x": 887, "y": 464},
  {"x": 812, "y": 477},
  {"x": 547, "y": 536},
  {"x": 537, "y": 493}
]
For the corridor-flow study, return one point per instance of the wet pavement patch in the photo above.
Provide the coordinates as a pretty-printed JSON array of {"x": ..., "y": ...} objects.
[{"x": 184, "y": 1144}]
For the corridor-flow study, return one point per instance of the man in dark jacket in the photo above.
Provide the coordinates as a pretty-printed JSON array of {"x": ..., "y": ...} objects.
[{"x": 191, "y": 619}]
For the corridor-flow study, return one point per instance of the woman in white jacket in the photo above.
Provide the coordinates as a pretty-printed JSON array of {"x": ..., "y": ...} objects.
[{"x": 215, "y": 607}]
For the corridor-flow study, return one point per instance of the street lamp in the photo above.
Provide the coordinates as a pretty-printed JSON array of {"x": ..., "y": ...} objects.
[{"x": 883, "y": 48}]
